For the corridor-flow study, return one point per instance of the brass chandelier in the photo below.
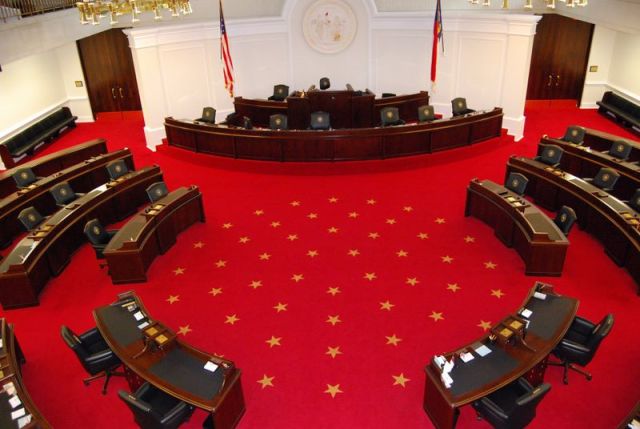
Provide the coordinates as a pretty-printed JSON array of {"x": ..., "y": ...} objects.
[
  {"x": 92, "y": 11},
  {"x": 528, "y": 4}
]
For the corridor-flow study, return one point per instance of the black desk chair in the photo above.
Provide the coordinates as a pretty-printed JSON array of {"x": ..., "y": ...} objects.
[
  {"x": 325, "y": 83},
  {"x": 574, "y": 134},
  {"x": 387, "y": 94},
  {"x": 94, "y": 354},
  {"x": 390, "y": 116},
  {"x": 25, "y": 177},
  {"x": 208, "y": 115},
  {"x": 157, "y": 190},
  {"x": 565, "y": 219},
  {"x": 320, "y": 121},
  {"x": 513, "y": 406},
  {"x": 634, "y": 202},
  {"x": 605, "y": 179},
  {"x": 426, "y": 113},
  {"x": 620, "y": 149},
  {"x": 580, "y": 344},
  {"x": 117, "y": 169},
  {"x": 280, "y": 92},
  {"x": 63, "y": 194},
  {"x": 517, "y": 183},
  {"x": 98, "y": 236},
  {"x": 278, "y": 122},
  {"x": 551, "y": 155},
  {"x": 154, "y": 409},
  {"x": 30, "y": 218},
  {"x": 459, "y": 107}
]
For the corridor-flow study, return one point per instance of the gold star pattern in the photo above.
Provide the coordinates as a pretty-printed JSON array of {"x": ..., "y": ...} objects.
[
  {"x": 440, "y": 220},
  {"x": 297, "y": 277},
  {"x": 333, "y": 291},
  {"x": 391, "y": 221},
  {"x": 295, "y": 203},
  {"x": 280, "y": 307},
  {"x": 453, "y": 287},
  {"x": 334, "y": 320},
  {"x": 275, "y": 224},
  {"x": 333, "y": 351},
  {"x": 215, "y": 291},
  {"x": 264, "y": 256},
  {"x": 446, "y": 259},
  {"x": 370, "y": 276},
  {"x": 333, "y": 230},
  {"x": 386, "y": 305},
  {"x": 312, "y": 253},
  {"x": 423, "y": 236},
  {"x": 198, "y": 245},
  {"x": 400, "y": 379},
  {"x": 273, "y": 341},
  {"x": 244, "y": 240},
  {"x": 266, "y": 381},
  {"x": 221, "y": 263},
  {"x": 231, "y": 320},
  {"x": 371, "y": 202},
  {"x": 497, "y": 293},
  {"x": 353, "y": 215},
  {"x": 312, "y": 216},
  {"x": 184, "y": 330},
  {"x": 484, "y": 325},
  {"x": 402, "y": 253},
  {"x": 227, "y": 225},
  {"x": 393, "y": 340},
  {"x": 178, "y": 271},
  {"x": 173, "y": 298},
  {"x": 333, "y": 390},
  {"x": 469, "y": 239},
  {"x": 436, "y": 316},
  {"x": 407, "y": 209},
  {"x": 412, "y": 281},
  {"x": 255, "y": 284},
  {"x": 490, "y": 265},
  {"x": 353, "y": 252},
  {"x": 374, "y": 235},
  {"x": 333, "y": 200},
  {"x": 259, "y": 212},
  {"x": 292, "y": 237}
]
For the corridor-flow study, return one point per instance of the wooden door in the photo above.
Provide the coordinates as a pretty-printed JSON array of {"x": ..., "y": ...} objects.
[
  {"x": 109, "y": 73},
  {"x": 559, "y": 59}
]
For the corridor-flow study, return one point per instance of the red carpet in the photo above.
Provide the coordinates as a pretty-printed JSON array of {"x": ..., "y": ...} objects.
[{"x": 371, "y": 261}]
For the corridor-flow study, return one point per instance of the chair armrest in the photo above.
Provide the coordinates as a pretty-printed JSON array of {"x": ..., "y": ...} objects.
[
  {"x": 524, "y": 384},
  {"x": 100, "y": 357},
  {"x": 573, "y": 347},
  {"x": 492, "y": 408},
  {"x": 180, "y": 408},
  {"x": 142, "y": 391}
]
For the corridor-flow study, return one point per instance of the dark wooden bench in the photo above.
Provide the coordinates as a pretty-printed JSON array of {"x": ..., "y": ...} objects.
[
  {"x": 15, "y": 148},
  {"x": 623, "y": 110}
]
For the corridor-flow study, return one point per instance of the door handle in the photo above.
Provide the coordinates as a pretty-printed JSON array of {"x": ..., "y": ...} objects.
[
  {"x": 557, "y": 80},
  {"x": 122, "y": 96},
  {"x": 550, "y": 80},
  {"x": 113, "y": 93}
]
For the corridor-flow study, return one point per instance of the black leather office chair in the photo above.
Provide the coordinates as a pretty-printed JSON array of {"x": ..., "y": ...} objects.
[
  {"x": 634, "y": 202},
  {"x": 426, "y": 113},
  {"x": 390, "y": 116},
  {"x": 208, "y": 115},
  {"x": 280, "y": 92},
  {"x": 517, "y": 183},
  {"x": 320, "y": 121},
  {"x": 551, "y": 155},
  {"x": 30, "y": 218},
  {"x": 24, "y": 177},
  {"x": 117, "y": 169},
  {"x": 154, "y": 409},
  {"x": 574, "y": 134},
  {"x": 325, "y": 83},
  {"x": 278, "y": 122},
  {"x": 513, "y": 406},
  {"x": 605, "y": 179},
  {"x": 246, "y": 123},
  {"x": 63, "y": 194},
  {"x": 98, "y": 236},
  {"x": 459, "y": 106},
  {"x": 565, "y": 219},
  {"x": 157, "y": 190},
  {"x": 94, "y": 354},
  {"x": 387, "y": 94},
  {"x": 580, "y": 344},
  {"x": 620, "y": 149}
]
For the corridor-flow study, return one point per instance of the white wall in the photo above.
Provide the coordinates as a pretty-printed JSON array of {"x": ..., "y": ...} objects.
[
  {"x": 70, "y": 72},
  {"x": 624, "y": 74}
]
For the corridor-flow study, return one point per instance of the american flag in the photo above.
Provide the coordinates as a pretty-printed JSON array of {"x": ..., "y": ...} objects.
[
  {"x": 437, "y": 37},
  {"x": 225, "y": 55}
]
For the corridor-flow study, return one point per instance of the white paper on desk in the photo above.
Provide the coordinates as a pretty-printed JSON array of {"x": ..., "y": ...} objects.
[
  {"x": 466, "y": 357},
  {"x": 0, "y": 343},
  {"x": 539, "y": 295},
  {"x": 526, "y": 313},
  {"x": 634, "y": 424},
  {"x": 446, "y": 380},
  {"x": 22, "y": 422},
  {"x": 18, "y": 413},
  {"x": 9, "y": 388},
  {"x": 143, "y": 325},
  {"x": 483, "y": 350},
  {"x": 138, "y": 315},
  {"x": 14, "y": 402},
  {"x": 210, "y": 366}
]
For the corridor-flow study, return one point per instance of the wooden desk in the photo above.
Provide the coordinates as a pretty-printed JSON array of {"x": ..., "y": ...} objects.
[
  {"x": 151, "y": 233},
  {"x": 599, "y": 140},
  {"x": 82, "y": 177},
  {"x": 585, "y": 161},
  {"x": 11, "y": 358},
  {"x": 519, "y": 224},
  {"x": 334, "y": 145},
  {"x": 52, "y": 163},
  {"x": 259, "y": 110},
  {"x": 610, "y": 220},
  {"x": 170, "y": 364},
  {"x": 481, "y": 376},
  {"x": 46, "y": 251}
]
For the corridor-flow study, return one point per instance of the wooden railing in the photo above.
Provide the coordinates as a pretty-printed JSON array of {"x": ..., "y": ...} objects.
[{"x": 16, "y": 9}]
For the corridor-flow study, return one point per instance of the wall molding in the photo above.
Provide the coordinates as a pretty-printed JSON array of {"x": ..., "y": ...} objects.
[{"x": 15, "y": 129}]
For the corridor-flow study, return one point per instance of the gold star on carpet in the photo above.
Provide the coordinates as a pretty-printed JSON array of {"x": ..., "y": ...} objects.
[
  {"x": 402, "y": 253},
  {"x": 453, "y": 287},
  {"x": 312, "y": 216},
  {"x": 273, "y": 341},
  {"x": 333, "y": 291},
  {"x": 333, "y": 200},
  {"x": 184, "y": 330},
  {"x": 215, "y": 291},
  {"x": 231, "y": 320},
  {"x": 374, "y": 235},
  {"x": 178, "y": 271},
  {"x": 371, "y": 202},
  {"x": 484, "y": 325},
  {"x": 446, "y": 259},
  {"x": 255, "y": 284},
  {"x": 333, "y": 390},
  {"x": 436, "y": 316},
  {"x": 497, "y": 293},
  {"x": 259, "y": 212},
  {"x": 393, "y": 340},
  {"x": 391, "y": 221},
  {"x": 312, "y": 253},
  {"x": 353, "y": 215},
  {"x": 370, "y": 276},
  {"x": 400, "y": 379},
  {"x": 198, "y": 245},
  {"x": 295, "y": 203},
  {"x": 469, "y": 239},
  {"x": 227, "y": 225},
  {"x": 440, "y": 220},
  {"x": 297, "y": 277},
  {"x": 292, "y": 237},
  {"x": 386, "y": 305},
  {"x": 412, "y": 281},
  {"x": 407, "y": 209},
  {"x": 221, "y": 263},
  {"x": 244, "y": 240},
  {"x": 423, "y": 236},
  {"x": 353, "y": 252},
  {"x": 333, "y": 351},
  {"x": 173, "y": 298},
  {"x": 275, "y": 224},
  {"x": 266, "y": 381},
  {"x": 490, "y": 265},
  {"x": 280, "y": 307},
  {"x": 264, "y": 256},
  {"x": 332, "y": 230},
  {"x": 334, "y": 320}
]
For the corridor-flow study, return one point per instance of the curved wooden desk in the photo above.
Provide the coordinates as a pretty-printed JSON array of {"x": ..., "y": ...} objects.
[
  {"x": 599, "y": 140},
  {"x": 82, "y": 177},
  {"x": 334, "y": 145},
  {"x": 519, "y": 224},
  {"x": 151, "y": 233},
  {"x": 612, "y": 221},
  {"x": 52, "y": 163},
  {"x": 481, "y": 376},
  {"x": 46, "y": 251},
  {"x": 152, "y": 352},
  {"x": 11, "y": 358}
]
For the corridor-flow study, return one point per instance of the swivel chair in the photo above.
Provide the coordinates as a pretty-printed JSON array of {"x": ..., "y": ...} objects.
[
  {"x": 574, "y": 134},
  {"x": 25, "y": 177},
  {"x": 208, "y": 115},
  {"x": 390, "y": 116},
  {"x": 550, "y": 155},
  {"x": 634, "y": 202},
  {"x": 280, "y": 92},
  {"x": 154, "y": 409},
  {"x": 426, "y": 113},
  {"x": 517, "y": 183},
  {"x": 565, "y": 219},
  {"x": 620, "y": 149},
  {"x": 320, "y": 121},
  {"x": 459, "y": 106},
  {"x": 30, "y": 218},
  {"x": 117, "y": 169},
  {"x": 605, "y": 179},
  {"x": 157, "y": 190},
  {"x": 63, "y": 194},
  {"x": 278, "y": 122},
  {"x": 98, "y": 236}
]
